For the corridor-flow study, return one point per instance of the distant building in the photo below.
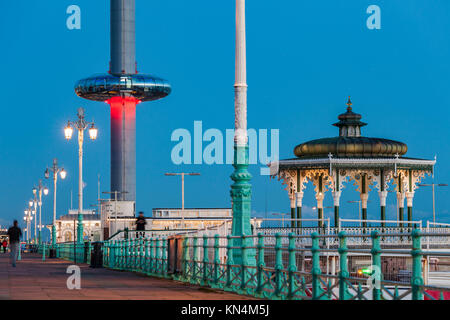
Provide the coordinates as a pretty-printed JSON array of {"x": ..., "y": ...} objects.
[
  {"x": 66, "y": 226},
  {"x": 195, "y": 218}
]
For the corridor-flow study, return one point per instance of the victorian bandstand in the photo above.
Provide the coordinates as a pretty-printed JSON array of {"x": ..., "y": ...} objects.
[{"x": 370, "y": 163}]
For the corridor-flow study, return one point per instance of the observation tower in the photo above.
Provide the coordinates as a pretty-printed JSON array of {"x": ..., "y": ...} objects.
[{"x": 123, "y": 88}]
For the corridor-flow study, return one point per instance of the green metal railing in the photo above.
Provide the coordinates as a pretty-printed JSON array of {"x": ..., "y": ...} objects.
[{"x": 273, "y": 267}]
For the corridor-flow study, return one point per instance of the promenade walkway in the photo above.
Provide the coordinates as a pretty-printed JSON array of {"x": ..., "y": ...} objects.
[{"x": 46, "y": 280}]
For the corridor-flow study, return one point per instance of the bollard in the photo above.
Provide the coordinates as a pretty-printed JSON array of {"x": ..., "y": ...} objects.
[
  {"x": 416, "y": 279},
  {"x": 43, "y": 251},
  {"x": 20, "y": 252},
  {"x": 292, "y": 266},
  {"x": 260, "y": 265},
  {"x": 317, "y": 291},
  {"x": 205, "y": 259},
  {"x": 216, "y": 259},
  {"x": 278, "y": 264},
  {"x": 376, "y": 261},
  {"x": 229, "y": 261},
  {"x": 343, "y": 264}
]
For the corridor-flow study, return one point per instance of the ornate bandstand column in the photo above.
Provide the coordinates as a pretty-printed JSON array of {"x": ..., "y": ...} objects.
[
  {"x": 409, "y": 204},
  {"x": 299, "y": 196},
  {"x": 336, "y": 198},
  {"x": 301, "y": 181},
  {"x": 383, "y": 196},
  {"x": 319, "y": 197},
  {"x": 241, "y": 188},
  {"x": 292, "y": 202},
  {"x": 364, "y": 195},
  {"x": 337, "y": 181},
  {"x": 401, "y": 204}
]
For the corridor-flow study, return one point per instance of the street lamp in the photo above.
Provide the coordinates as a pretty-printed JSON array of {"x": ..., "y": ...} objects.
[
  {"x": 182, "y": 174},
  {"x": 28, "y": 219},
  {"x": 31, "y": 204},
  {"x": 55, "y": 169},
  {"x": 37, "y": 192},
  {"x": 81, "y": 124},
  {"x": 433, "y": 185}
]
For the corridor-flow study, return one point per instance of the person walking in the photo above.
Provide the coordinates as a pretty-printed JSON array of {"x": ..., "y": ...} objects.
[
  {"x": 140, "y": 224},
  {"x": 4, "y": 245},
  {"x": 14, "y": 234}
]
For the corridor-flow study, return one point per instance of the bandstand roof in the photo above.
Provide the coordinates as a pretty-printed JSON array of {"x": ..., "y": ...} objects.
[{"x": 350, "y": 150}]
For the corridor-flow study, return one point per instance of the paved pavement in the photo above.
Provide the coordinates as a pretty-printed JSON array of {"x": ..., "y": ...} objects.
[{"x": 36, "y": 279}]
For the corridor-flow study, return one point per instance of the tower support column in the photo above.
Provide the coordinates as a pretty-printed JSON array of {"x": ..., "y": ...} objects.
[{"x": 123, "y": 147}]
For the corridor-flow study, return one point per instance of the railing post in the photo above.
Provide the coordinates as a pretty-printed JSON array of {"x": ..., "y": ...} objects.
[
  {"x": 216, "y": 259},
  {"x": 128, "y": 253},
  {"x": 229, "y": 261},
  {"x": 146, "y": 256},
  {"x": 165, "y": 258},
  {"x": 416, "y": 252},
  {"x": 317, "y": 290},
  {"x": 376, "y": 262},
  {"x": 121, "y": 254},
  {"x": 278, "y": 264},
  {"x": 292, "y": 266},
  {"x": 194, "y": 259},
  {"x": 343, "y": 266},
  {"x": 260, "y": 265},
  {"x": 158, "y": 256},
  {"x": 185, "y": 257},
  {"x": 243, "y": 262},
  {"x": 205, "y": 259},
  {"x": 141, "y": 254},
  {"x": 152, "y": 255}
]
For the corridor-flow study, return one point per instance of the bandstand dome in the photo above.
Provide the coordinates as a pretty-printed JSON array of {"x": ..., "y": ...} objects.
[{"x": 350, "y": 143}]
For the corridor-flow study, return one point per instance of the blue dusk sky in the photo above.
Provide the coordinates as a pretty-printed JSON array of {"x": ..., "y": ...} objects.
[{"x": 304, "y": 59}]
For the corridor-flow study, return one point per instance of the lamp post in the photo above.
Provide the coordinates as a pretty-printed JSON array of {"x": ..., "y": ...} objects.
[
  {"x": 32, "y": 204},
  {"x": 359, "y": 209},
  {"x": 182, "y": 174},
  {"x": 37, "y": 192},
  {"x": 55, "y": 169},
  {"x": 282, "y": 217},
  {"x": 432, "y": 186},
  {"x": 81, "y": 124}
]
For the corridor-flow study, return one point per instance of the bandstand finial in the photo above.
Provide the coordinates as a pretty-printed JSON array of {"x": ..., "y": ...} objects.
[{"x": 349, "y": 104}]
